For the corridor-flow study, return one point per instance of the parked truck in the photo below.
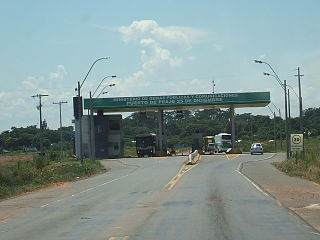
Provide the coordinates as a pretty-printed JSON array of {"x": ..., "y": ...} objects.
[
  {"x": 146, "y": 144},
  {"x": 209, "y": 144}
]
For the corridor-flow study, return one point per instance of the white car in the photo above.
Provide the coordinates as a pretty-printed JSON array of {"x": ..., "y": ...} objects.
[{"x": 256, "y": 148}]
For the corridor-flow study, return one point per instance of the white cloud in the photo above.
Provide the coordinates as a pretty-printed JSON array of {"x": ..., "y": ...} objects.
[
  {"x": 218, "y": 47},
  {"x": 154, "y": 56},
  {"x": 191, "y": 58},
  {"x": 181, "y": 36},
  {"x": 159, "y": 45},
  {"x": 59, "y": 74},
  {"x": 19, "y": 109},
  {"x": 31, "y": 83}
]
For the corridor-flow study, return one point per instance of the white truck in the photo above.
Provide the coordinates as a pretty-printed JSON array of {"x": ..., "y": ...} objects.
[{"x": 222, "y": 142}]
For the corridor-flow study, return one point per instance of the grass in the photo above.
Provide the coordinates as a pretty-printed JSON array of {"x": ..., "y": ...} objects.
[
  {"x": 305, "y": 165},
  {"x": 27, "y": 176}
]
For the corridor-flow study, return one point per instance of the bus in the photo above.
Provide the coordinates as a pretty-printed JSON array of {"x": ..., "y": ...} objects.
[{"x": 222, "y": 142}]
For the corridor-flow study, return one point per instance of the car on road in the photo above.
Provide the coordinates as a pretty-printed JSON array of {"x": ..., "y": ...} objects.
[{"x": 256, "y": 148}]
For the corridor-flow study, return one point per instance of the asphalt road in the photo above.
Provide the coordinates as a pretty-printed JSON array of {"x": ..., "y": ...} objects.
[{"x": 212, "y": 200}]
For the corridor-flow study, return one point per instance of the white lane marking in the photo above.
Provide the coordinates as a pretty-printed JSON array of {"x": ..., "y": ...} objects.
[
  {"x": 250, "y": 181},
  {"x": 313, "y": 206},
  {"x": 87, "y": 190},
  {"x": 238, "y": 170}
]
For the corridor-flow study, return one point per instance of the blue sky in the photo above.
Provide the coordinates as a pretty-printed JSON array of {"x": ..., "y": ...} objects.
[{"x": 156, "y": 47}]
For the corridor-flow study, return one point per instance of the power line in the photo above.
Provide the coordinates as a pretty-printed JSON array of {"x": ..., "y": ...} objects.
[
  {"x": 61, "y": 137},
  {"x": 41, "y": 123}
]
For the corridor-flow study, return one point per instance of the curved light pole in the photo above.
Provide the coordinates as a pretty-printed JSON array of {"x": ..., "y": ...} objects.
[
  {"x": 112, "y": 76},
  {"x": 92, "y": 138},
  {"x": 288, "y": 97},
  {"x": 284, "y": 87},
  {"x": 80, "y": 105}
]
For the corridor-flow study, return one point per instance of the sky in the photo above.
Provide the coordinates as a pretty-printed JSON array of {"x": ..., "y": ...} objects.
[{"x": 155, "y": 48}]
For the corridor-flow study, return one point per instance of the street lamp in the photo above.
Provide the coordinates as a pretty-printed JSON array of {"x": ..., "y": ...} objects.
[
  {"x": 92, "y": 138},
  {"x": 288, "y": 94},
  {"x": 112, "y": 76},
  {"x": 295, "y": 93},
  {"x": 284, "y": 86},
  {"x": 80, "y": 105}
]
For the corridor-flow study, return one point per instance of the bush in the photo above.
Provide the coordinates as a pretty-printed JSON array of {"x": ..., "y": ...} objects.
[
  {"x": 40, "y": 162},
  {"x": 25, "y": 176}
]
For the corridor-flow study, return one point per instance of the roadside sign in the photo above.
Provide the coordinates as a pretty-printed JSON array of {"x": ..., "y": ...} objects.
[{"x": 296, "y": 142}]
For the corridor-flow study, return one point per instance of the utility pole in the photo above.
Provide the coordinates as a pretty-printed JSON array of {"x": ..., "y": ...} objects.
[
  {"x": 289, "y": 113},
  {"x": 280, "y": 129},
  {"x": 92, "y": 135},
  {"x": 286, "y": 115},
  {"x": 213, "y": 85},
  {"x": 61, "y": 138},
  {"x": 40, "y": 110},
  {"x": 274, "y": 131},
  {"x": 300, "y": 100}
]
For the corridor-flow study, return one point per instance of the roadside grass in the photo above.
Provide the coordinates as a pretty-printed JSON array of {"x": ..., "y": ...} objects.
[
  {"x": 305, "y": 165},
  {"x": 31, "y": 175}
]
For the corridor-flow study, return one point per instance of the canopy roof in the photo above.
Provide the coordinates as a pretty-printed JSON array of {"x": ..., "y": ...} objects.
[{"x": 179, "y": 102}]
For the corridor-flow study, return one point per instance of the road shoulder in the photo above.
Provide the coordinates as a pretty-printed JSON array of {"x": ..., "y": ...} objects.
[{"x": 299, "y": 195}]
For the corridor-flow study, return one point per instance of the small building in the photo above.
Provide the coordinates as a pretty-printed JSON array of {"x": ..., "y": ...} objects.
[{"x": 108, "y": 136}]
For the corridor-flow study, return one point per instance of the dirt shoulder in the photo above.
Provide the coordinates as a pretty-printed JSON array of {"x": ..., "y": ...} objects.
[{"x": 299, "y": 195}]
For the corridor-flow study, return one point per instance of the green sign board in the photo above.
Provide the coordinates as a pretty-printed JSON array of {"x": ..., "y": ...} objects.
[{"x": 172, "y": 102}]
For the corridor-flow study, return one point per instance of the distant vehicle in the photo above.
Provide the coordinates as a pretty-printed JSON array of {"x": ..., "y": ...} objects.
[
  {"x": 256, "y": 148},
  {"x": 207, "y": 140},
  {"x": 31, "y": 149},
  {"x": 146, "y": 144},
  {"x": 222, "y": 142},
  {"x": 211, "y": 148},
  {"x": 5, "y": 151}
]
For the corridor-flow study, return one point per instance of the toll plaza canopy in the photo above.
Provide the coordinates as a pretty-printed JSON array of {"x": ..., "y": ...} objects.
[{"x": 179, "y": 102}]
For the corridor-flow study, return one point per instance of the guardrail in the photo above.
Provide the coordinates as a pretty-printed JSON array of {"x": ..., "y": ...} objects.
[{"x": 193, "y": 158}]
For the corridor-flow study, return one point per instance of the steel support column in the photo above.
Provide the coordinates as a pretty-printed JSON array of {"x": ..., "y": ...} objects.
[
  {"x": 233, "y": 132},
  {"x": 160, "y": 132}
]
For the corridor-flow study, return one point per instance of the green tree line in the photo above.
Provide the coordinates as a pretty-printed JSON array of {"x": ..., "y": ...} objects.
[
  {"x": 23, "y": 138},
  {"x": 179, "y": 127}
]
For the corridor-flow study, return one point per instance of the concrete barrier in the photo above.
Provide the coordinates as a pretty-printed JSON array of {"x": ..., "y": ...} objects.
[
  {"x": 193, "y": 158},
  {"x": 234, "y": 151}
]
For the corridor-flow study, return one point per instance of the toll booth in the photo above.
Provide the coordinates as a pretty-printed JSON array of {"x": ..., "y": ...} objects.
[{"x": 108, "y": 136}]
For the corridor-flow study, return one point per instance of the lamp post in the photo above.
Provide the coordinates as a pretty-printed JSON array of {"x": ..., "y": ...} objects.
[
  {"x": 284, "y": 86},
  {"x": 92, "y": 137},
  {"x": 80, "y": 105}
]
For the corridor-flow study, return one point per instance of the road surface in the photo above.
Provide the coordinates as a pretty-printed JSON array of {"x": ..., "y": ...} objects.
[{"x": 142, "y": 199}]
